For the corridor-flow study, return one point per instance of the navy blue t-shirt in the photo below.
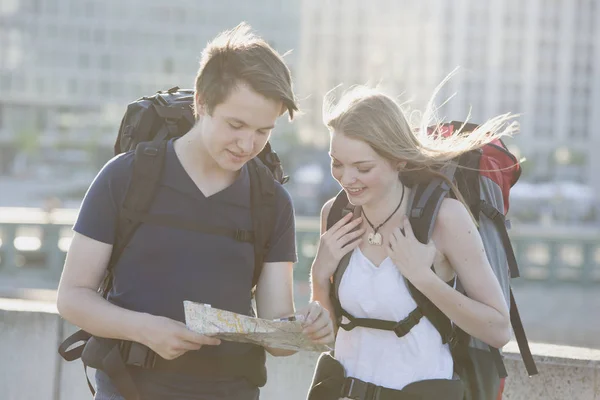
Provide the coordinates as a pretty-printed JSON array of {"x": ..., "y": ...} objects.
[{"x": 163, "y": 266}]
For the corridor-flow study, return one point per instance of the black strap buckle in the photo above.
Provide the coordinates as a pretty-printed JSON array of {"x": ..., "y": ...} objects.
[
  {"x": 137, "y": 354},
  {"x": 403, "y": 327},
  {"x": 490, "y": 211},
  {"x": 356, "y": 389},
  {"x": 347, "y": 326},
  {"x": 416, "y": 212},
  {"x": 151, "y": 151}
]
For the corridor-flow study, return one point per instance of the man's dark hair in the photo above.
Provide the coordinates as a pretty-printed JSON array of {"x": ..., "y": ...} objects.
[{"x": 238, "y": 56}]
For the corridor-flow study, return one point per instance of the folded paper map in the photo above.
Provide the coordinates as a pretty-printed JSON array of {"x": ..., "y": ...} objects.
[{"x": 227, "y": 325}]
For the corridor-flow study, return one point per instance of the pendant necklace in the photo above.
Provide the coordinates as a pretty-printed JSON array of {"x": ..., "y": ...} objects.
[{"x": 374, "y": 237}]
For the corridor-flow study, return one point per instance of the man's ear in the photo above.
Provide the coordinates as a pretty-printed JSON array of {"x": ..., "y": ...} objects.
[{"x": 200, "y": 108}]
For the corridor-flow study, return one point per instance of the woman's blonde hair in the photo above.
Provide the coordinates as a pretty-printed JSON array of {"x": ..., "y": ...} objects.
[{"x": 369, "y": 115}]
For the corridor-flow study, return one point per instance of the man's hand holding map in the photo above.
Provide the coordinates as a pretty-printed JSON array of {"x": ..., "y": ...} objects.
[{"x": 226, "y": 325}]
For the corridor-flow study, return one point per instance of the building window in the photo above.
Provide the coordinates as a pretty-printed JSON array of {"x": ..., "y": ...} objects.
[
  {"x": 117, "y": 89},
  {"x": 84, "y": 35},
  {"x": 51, "y": 7},
  {"x": 104, "y": 88},
  {"x": 105, "y": 62},
  {"x": 73, "y": 86},
  {"x": 51, "y": 31},
  {"x": 5, "y": 82},
  {"x": 89, "y": 9},
  {"x": 40, "y": 87},
  {"x": 84, "y": 60},
  {"x": 544, "y": 128},
  {"x": 41, "y": 120},
  {"x": 99, "y": 36},
  {"x": 36, "y": 6}
]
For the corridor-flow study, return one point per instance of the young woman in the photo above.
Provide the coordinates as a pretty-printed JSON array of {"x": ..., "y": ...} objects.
[{"x": 374, "y": 151}]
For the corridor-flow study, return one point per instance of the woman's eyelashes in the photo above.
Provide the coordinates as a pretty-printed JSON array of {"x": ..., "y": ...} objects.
[{"x": 360, "y": 170}]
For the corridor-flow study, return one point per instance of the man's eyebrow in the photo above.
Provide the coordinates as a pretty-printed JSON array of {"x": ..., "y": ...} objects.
[{"x": 239, "y": 121}]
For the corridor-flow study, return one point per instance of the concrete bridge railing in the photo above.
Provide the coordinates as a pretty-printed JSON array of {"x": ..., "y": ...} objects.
[{"x": 32, "y": 369}]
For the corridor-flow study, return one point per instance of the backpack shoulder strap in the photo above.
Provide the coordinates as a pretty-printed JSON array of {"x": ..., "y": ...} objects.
[
  {"x": 269, "y": 158},
  {"x": 263, "y": 209},
  {"x": 148, "y": 164},
  {"x": 424, "y": 205},
  {"x": 340, "y": 207}
]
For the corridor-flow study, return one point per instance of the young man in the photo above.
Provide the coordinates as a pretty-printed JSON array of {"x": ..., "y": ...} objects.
[{"x": 242, "y": 87}]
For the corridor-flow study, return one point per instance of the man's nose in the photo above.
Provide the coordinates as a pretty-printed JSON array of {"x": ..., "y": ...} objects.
[{"x": 246, "y": 142}]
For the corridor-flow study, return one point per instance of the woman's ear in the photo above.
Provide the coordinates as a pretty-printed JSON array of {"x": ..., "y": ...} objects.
[{"x": 400, "y": 165}]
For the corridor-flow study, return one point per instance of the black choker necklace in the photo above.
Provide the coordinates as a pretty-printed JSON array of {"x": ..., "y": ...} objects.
[{"x": 374, "y": 237}]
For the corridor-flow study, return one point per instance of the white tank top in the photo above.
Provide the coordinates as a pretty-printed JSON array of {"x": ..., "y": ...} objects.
[{"x": 378, "y": 356}]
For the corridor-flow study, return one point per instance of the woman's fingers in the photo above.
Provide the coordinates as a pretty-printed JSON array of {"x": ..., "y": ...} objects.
[
  {"x": 352, "y": 244},
  {"x": 323, "y": 335},
  {"x": 322, "y": 322},
  {"x": 343, "y": 221},
  {"x": 349, "y": 237},
  {"x": 346, "y": 228},
  {"x": 394, "y": 238},
  {"x": 314, "y": 311}
]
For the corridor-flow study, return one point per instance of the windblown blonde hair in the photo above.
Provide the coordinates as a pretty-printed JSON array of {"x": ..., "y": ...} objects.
[{"x": 369, "y": 115}]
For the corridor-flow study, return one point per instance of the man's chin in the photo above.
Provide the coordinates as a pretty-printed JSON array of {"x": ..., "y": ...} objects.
[{"x": 231, "y": 166}]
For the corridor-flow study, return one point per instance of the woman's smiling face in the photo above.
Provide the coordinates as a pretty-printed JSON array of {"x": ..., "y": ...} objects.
[{"x": 364, "y": 175}]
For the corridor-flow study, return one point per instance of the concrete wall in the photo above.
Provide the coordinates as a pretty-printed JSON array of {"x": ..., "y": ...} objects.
[{"x": 30, "y": 367}]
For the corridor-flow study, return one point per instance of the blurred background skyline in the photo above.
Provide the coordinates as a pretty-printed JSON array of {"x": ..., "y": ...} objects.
[{"x": 69, "y": 68}]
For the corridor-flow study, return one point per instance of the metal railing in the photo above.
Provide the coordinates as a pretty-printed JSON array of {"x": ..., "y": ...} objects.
[{"x": 33, "y": 240}]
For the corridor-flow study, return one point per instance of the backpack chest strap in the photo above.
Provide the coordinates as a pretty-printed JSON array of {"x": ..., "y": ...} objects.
[{"x": 400, "y": 328}]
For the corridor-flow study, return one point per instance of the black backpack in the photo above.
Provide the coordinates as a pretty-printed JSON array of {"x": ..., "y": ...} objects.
[
  {"x": 484, "y": 183},
  {"x": 146, "y": 127}
]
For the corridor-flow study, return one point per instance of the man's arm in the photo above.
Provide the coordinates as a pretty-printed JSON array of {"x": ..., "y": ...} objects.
[
  {"x": 275, "y": 290},
  {"x": 275, "y": 295},
  {"x": 80, "y": 303}
]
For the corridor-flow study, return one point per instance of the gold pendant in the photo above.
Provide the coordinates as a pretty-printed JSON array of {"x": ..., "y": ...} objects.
[{"x": 375, "y": 239}]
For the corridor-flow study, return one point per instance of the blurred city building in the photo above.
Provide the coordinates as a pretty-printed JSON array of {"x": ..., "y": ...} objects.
[
  {"x": 68, "y": 68},
  {"x": 539, "y": 58}
]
